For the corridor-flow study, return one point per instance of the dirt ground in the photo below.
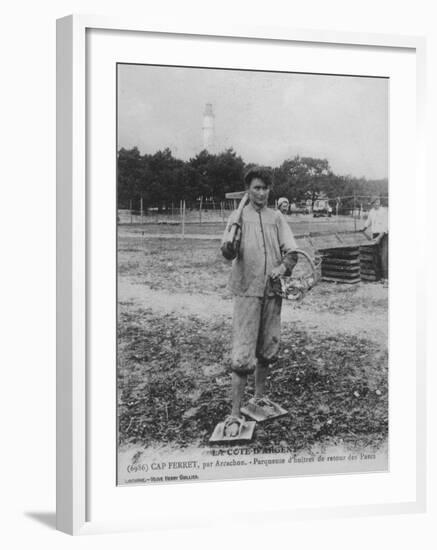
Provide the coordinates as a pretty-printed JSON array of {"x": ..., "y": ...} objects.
[{"x": 174, "y": 330}]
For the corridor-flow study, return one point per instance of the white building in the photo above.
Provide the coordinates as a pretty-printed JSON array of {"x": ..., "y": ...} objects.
[{"x": 208, "y": 128}]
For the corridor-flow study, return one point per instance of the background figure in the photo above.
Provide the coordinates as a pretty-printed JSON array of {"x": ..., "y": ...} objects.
[
  {"x": 283, "y": 205},
  {"x": 377, "y": 221}
]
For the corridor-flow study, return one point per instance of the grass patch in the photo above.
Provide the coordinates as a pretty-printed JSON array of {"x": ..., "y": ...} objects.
[{"x": 174, "y": 384}]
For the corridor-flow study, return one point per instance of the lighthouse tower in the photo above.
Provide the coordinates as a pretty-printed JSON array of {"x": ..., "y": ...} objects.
[{"x": 208, "y": 128}]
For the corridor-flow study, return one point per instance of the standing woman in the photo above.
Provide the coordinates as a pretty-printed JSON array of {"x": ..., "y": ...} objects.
[{"x": 266, "y": 252}]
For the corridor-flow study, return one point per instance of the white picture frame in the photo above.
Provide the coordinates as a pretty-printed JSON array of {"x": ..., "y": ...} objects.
[{"x": 74, "y": 470}]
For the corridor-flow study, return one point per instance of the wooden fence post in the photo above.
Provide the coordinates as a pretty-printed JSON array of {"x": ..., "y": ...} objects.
[
  {"x": 355, "y": 219},
  {"x": 183, "y": 218}
]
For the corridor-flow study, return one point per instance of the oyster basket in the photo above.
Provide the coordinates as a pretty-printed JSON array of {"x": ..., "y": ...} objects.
[{"x": 305, "y": 276}]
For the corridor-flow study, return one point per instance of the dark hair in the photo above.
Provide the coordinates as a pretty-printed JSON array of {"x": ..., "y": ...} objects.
[{"x": 258, "y": 172}]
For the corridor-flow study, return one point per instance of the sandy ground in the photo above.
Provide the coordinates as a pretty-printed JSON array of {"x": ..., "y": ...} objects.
[
  {"x": 187, "y": 280},
  {"x": 360, "y": 322}
]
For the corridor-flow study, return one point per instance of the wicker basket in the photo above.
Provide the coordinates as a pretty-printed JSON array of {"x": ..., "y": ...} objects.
[{"x": 305, "y": 276}]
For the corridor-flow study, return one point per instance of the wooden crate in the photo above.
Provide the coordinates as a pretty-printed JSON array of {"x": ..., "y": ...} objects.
[
  {"x": 347, "y": 257},
  {"x": 341, "y": 265},
  {"x": 369, "y": 265}
]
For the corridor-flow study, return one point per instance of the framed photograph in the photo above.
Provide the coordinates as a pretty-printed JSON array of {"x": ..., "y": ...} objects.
[{"x": 240, "y": 315}]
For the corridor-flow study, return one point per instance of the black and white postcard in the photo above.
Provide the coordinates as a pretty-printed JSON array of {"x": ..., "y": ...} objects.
[{"x": 252, "y": 274}]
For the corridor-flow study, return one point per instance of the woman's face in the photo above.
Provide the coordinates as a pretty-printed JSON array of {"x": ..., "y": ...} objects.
[
  {"x": 284, "y": 207},
  {"x": 258, "y": 192}
]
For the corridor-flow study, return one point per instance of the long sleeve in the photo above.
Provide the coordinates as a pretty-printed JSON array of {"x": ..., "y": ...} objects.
[
  {"x": 287, "y": 244},
  {"x": 230, "y": 222},
  {"x": 369, "y": 220},
  {"x": 290, "y": 260}
]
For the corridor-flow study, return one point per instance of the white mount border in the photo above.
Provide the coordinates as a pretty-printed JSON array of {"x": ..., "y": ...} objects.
[{"x": 71, "y": 292}]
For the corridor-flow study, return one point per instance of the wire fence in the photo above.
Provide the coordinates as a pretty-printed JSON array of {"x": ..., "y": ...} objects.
[{"x": 339, "y": 214}]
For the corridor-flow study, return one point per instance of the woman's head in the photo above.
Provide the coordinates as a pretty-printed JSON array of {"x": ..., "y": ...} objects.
[
  {"x": 258, "y": 183},
  {"x": 283, "y": 205}
]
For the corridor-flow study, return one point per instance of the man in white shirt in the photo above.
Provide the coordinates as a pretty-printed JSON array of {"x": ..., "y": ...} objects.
[{"x": 377, "y": 221}]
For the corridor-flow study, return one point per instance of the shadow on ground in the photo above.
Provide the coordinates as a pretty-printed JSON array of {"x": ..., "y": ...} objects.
[{"x": 45, "y": 518}]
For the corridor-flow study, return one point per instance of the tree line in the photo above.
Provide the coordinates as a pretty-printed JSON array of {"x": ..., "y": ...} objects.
[{"x": 161, "y": 179}]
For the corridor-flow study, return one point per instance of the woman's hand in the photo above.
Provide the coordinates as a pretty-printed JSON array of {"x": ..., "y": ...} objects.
[{"x": 228, "y": 250}]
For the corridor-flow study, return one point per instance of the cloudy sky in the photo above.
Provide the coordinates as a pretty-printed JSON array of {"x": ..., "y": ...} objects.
[{"x": 265, "y": 117}]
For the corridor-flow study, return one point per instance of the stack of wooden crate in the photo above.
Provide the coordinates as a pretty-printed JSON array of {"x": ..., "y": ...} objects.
[
  {"x": 369, "y": 263},
  {"x": 341, "y": 265},
  {"x": 346, "y": 257}
]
